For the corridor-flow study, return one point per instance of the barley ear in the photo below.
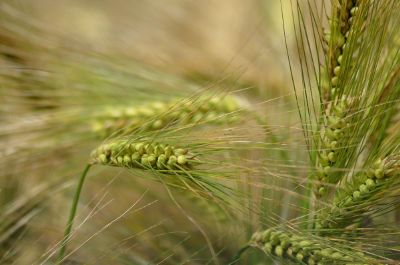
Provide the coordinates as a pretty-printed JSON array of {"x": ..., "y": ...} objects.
[
  {"x": 332, "y": 140},
  {"x": 338, "y": 39},
  {"x": 157, "y": 115},
  {"x": 142, "y": 154},
  {"x": 354, "y": 200},
  {"x": 304, "y": 249}
]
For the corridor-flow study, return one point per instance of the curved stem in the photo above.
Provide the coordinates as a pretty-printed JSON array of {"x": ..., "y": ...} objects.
[
  {"x": 239, "y": 254},
  {"x": 72, "y": 214}
]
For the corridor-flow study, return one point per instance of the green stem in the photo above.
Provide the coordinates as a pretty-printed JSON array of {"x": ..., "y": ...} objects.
[
  {"x": 72, "y": 214},
  {"x": 239, "y": 254}
]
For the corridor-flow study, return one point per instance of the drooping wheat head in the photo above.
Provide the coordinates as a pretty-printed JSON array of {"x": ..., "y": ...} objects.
[{"x": 158, "y": 115}]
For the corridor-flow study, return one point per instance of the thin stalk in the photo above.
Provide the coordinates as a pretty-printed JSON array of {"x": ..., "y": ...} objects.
[
  {"x": 72, "y": 214},
  {"x": 239, "y": 254}
]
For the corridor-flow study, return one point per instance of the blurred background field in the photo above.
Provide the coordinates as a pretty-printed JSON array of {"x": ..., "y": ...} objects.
[{"x": 61, "y": 61}]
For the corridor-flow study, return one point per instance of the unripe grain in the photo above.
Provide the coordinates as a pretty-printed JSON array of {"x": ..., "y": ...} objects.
[
  {"x": 356, "y": 199},
  {"x": 141, "y": 154},
  {"x": 332, "y": 140},
  {"x": 303, "y": 248},
  {"x": 337, "y": 39},
  {"x": 157, "y": 115}
]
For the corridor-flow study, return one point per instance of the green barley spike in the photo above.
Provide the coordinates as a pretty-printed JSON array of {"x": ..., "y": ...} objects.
[
  {"x": 157, "y": 115},
  {"x": 337, "y": 39},
  {"x": 332, "y": 141},
  {"x": 142, "y": 154},
  {"x": 303, "y": 249},
  {"x": 354, "y": 200}
]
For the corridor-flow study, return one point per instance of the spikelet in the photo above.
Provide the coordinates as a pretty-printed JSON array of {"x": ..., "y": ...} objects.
[
  {"x": 303, "y": 249},
  {"x": 142, "y": 154},
  {"x": 157, "y": 115},
  {"x": 354, "y": 200}
]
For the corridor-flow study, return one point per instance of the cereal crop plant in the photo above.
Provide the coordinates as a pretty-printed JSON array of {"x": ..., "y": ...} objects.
[{"x": 128, "y": 138}]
